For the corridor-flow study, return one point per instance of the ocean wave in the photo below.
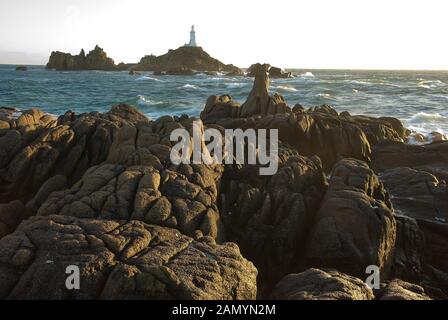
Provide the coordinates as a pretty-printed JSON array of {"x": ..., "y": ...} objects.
[
  {"x": 144, "y": 100},
  {"x": 431, "y": 84},
  {"x": 190, "y": 86},
  {"x": 285, "y": 88},
  {"x": 236, "y": 84},
  {"x": 424, "y": 117},
  {"x": 307, "y": 75},
  {"x": 326, "y": 96},
  {"x": 143, "y": 78}
]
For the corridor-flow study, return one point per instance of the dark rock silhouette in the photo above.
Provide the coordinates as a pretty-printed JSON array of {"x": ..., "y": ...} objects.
[
  {"x": 188, "y": 58},
  {"x": 274, "y": 72},
  {"x": 96, "y": 59}
]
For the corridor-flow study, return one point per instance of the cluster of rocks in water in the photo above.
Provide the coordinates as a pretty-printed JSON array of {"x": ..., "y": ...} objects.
[
  {"x": 183, "y": 61},
  {"x": 96, "y": 59},
  {"x": 98, "y": 190}
]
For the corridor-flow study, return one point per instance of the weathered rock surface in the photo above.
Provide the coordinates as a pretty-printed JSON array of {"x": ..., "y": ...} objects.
[
  {"x": 402, "y": 290},
  {"x": 410, "y": 253},
  {"x": 11, "y": 214},
  {"x": 318, "y": 131},
  {"x": 183, "y": 199},
  {"x": 119, "y": 260},
  {"x": 416, "y": 193},
  {"x": 192, "y": 58},
  {"x": 315, "y": 284},
  {"x": 269, "y": 219},
  {"x": 274, "y": 72},
  {"x": 36, "y": 149},
  {"x": 259, "y": 101},
  {"x": 436, "y": 235},
  {"x": 431, "y": 157},
  {"x": 96, "y": 59},
  {"x": 355, "y": 226}
]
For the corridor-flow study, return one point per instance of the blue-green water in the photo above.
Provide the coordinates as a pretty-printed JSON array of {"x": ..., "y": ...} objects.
[{"x": 418, "y": 98}]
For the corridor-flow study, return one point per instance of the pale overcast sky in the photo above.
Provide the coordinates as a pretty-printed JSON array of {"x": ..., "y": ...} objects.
[{"x": 374, "y": 34}]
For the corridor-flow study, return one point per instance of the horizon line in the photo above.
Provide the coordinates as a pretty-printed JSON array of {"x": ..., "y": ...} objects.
[{"x": 285, "y": 68}]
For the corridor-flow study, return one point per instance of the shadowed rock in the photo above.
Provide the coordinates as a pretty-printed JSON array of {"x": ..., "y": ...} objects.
[
  {"x": 270, "y": 218},
  {"x": 416, "y": 193},
  {"x": 355, "y": 226}
]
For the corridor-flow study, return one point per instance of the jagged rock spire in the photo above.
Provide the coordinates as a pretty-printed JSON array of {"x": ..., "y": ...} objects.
[{"x": 259, "y": 101}]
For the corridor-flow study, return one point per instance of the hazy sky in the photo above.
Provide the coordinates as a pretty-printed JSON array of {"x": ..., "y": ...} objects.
[{"x": 384, "y": 34}]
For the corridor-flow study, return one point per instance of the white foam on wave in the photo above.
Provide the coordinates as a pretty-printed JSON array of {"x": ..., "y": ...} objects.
[
  {"x": 424, "y": 117},
  {"x": 143, "y": 78},
  {"x": 148, "y": 101},
  {"x": 286, "y": 88},
  {"x": 431, "y": 84},
  {"x": 307, "y": 75},
  {"x": 190, "y": 86},
  {"x": 326, "y": 96},
  {"x": 236, "y": 84}
]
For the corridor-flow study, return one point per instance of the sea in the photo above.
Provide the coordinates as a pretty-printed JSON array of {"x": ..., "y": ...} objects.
[{"x": 418, "y": 98}]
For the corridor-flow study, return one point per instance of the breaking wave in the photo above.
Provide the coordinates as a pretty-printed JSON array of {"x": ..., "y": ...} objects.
[
  {"x": 285, "y": 88},
  {"x": 431, "y": 84},
  {"x": 144, "y": 100},
  {"x": 143, "y": 78},
  {"x": 190, "y": 86}
]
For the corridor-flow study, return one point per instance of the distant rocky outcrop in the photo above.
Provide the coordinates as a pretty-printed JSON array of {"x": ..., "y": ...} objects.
[
  {"x": 21, "y": 68},
  {"x": 274, "y": 72},
  {"x": 96, "y": 59},
  {"x": 184, "y": 58}
]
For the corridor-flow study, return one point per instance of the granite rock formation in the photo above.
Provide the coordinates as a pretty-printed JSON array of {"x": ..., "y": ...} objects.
[
  {"x": 96, "y": 59},
  {"x": 184, "y": 58},
  {"x": 99, "y": 190}
]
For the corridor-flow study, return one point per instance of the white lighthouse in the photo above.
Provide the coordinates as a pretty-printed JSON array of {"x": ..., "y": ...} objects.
[{"x": 192, "y": 42}]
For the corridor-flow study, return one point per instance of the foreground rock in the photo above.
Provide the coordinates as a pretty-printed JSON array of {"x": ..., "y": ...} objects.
[
  {"x": 96, "y": 59},
  {"x": 415, "y": 176},
  {"x": 315, "y": 284},
  {"x": 402, "y": 290},
  {"x": 417, "y": 193},
  {"x": 37, "y": 147},
  {"x": 270, "y": 218},
  {"x": 119, "y": 260},
  {"x": 431, "y": 158},
  {"x": 183, "y": 199},
  {"x": 184, "y": 58},
  {"x": 355, "y": 226}
]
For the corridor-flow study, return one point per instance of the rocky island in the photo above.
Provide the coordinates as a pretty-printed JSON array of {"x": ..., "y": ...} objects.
[
  {"x": 99, "y": 191},
  {"x": 96, "y": 59},
  {"x": 184, "y": 60}
]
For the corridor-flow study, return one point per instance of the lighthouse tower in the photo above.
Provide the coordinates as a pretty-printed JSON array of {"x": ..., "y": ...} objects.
[{"x": 192, "y": 42}]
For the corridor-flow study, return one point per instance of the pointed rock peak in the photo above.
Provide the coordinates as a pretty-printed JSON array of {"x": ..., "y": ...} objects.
[
  {"x": 259, "y": 101},
  {"x": 261, "y": 82}
]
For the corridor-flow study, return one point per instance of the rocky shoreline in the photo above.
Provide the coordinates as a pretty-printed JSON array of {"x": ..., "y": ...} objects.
[{"x": 98, "y": 190}]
